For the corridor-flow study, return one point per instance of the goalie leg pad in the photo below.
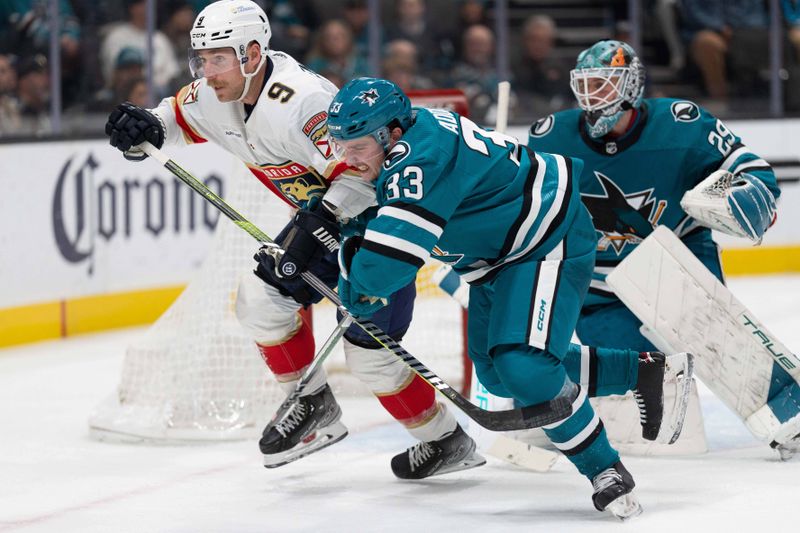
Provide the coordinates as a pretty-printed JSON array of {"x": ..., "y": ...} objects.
[{"x": 673, "y": 294}]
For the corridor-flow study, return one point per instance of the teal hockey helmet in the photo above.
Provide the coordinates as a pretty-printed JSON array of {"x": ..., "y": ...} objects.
[
  {"x": 608, "y": 79},
  {"x": 367, "y": 106}
]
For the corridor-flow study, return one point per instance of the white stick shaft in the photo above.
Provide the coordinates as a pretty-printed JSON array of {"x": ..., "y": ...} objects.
[{"x": 503, "y": 91}]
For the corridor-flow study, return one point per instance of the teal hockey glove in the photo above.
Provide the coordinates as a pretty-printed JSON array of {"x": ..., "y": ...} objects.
[
  {"x": 355, "y": 302},
  {"x": 752, "y": 205}
]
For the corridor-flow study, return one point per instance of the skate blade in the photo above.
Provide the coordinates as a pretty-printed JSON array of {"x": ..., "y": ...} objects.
[
  {"x": 681, "y": 366},
  {"x": 324, "y": 437},
  {"x": 473, "y": 461},
  {"x": 625, "y": 507}
]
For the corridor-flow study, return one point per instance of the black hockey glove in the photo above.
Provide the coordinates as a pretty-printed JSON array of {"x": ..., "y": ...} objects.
[
  {"x": 314, "y": 232},
  {"x": 129, "y": 125}
]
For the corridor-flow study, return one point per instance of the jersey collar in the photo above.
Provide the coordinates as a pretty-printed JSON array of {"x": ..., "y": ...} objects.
[{"x": 609, "y": 146}]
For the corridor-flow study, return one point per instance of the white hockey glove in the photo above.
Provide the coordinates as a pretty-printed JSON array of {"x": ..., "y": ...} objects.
[
  {"x": 348, "y": 196},
  {"x": 739, "y": 205}
]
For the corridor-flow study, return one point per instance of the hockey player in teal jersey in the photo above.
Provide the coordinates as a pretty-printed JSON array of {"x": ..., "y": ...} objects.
[
  {"x": 510, "y": 222},
  {"x": 641, "y": 156}
]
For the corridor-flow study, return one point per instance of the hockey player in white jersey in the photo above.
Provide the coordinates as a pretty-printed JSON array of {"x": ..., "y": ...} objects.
[{"x": 270, "y": 111}]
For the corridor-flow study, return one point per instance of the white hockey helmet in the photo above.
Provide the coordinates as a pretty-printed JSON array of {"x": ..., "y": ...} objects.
[{"x": 229, "y": 24}]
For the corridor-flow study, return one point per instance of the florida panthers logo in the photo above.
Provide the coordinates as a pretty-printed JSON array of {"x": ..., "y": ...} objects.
[
  {"x": 369, "y": 97},
  {"x": 622, "y": 218}
]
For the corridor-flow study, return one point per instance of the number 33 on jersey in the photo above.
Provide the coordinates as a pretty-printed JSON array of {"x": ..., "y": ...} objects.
[{"x": 438, "y": 193}]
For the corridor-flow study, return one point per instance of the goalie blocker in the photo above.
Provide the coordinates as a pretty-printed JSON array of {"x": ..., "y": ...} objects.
[{"x": 750, "y": 370}]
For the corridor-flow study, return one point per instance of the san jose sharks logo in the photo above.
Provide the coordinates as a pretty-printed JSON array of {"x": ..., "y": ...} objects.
[
  {"x": 622, "y": 218},
  {"x": 369, "y": 97}
]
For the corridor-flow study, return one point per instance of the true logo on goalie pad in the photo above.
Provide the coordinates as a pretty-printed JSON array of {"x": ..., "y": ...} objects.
[{"x": 768, "y": 343}]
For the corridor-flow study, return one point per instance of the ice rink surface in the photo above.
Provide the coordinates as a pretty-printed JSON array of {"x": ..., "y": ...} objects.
[{"x": 53, "y": 477}]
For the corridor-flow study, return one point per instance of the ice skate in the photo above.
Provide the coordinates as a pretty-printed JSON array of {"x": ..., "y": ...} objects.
[
  {"x": 663, "y": 423},
  {"x": 613, "y": 492},
  {"x": 311, "y": 424},
  {"x": 788, "y": 446},
  {"x": 450, "y": 454},
  {"x": 789, "y": 450}
]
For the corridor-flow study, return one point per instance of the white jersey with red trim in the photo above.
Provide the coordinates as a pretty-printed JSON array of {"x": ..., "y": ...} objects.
[{"x": 284, "y": 141}]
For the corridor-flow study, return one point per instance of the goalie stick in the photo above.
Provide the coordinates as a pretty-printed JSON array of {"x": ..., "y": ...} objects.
[{"x": 508, "y": 420}]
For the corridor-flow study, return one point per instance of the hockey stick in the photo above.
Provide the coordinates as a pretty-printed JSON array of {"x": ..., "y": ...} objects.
[
  {"x": 508, "y": 420},
  {"x": 322, "y": 354}
]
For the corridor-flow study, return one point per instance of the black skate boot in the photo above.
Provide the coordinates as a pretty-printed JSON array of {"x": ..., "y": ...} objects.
[
  {"x": 454, "y": 452},
  {"x": 656, "y": 371},
  {"x": 612, "y": 492},
  {"x": 311, "y": 424}
]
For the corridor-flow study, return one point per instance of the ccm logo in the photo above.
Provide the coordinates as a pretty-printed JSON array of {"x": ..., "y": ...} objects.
[
  {"x": 198, "y": 35},
  {"x": 542, "y": 314}
]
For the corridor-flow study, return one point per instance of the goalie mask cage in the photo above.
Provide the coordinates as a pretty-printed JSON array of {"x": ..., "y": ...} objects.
[{"x": 195, "y": 375}]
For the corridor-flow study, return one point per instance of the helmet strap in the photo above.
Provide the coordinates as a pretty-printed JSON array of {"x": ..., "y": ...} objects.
[{"x": 249, "y": 77}]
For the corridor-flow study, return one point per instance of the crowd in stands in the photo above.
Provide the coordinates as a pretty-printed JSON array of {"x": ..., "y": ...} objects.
[{"x": 425, "y": 44}]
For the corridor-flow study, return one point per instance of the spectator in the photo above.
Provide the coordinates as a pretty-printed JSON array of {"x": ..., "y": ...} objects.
[
  {"x": 133, "y": 34},
  {"x": 356, "y": 15},
  {"x": 726, "y": 34},
  {"x": 475, "y": 72},
  {"x": 791, "y": 14},
  {"x": 9, "y": 106},
  {"x": 470, "y": 12},
  {"x": 334, "y": 53},
  {"x": 33, "y": 93},
  {"x": 135, "y": 91},
  {"x": 401, "y": 65},
  {"x": 129, "y": 66},
  {"x": 24, "y": 26},
  {"x": 177, "y": 28},
  {"x": 290, "y": 33},
  {"x": 25, "y": 30},
  {"x": 411, "y": 24},
  {"x": 540, "y": 80}
]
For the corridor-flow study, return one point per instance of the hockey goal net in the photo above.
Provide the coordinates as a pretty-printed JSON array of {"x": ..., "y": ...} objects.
[{"x": 196, "y": 375}]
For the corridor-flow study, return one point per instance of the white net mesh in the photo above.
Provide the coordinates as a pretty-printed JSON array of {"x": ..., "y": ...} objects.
[{"x": 196, "y": 375}]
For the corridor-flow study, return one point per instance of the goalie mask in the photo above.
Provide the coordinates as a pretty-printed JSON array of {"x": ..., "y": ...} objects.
[
  {"x": 607, "y": 80},
  {"x": 228, "y": 27}
]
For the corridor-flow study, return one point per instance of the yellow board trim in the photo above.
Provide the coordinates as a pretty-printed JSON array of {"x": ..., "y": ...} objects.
[
  {"x": 51, "y": 320},
  {"x": 761, "y": 260},
  {"x": 30, "y": 323},
  {"x": 87, "y": 314}
]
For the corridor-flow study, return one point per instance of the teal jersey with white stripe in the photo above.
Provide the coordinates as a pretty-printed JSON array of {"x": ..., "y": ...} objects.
[
  {"x": 472, "y": 198},
  {"x": 635, "y": 182}
]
